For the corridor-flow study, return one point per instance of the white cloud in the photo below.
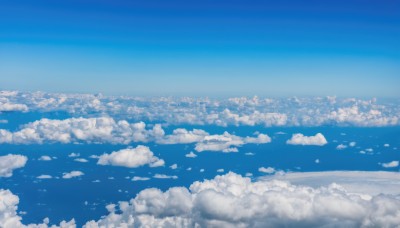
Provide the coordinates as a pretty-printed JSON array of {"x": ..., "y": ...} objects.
[
  {"x": 227, "y": 142},
  {"x": 131, "y": 158},
  {"x": 10, "y": 162},
  {"x": 163, "y": 176},
  {"x": 83, "y": 160},
  {"x": 235, "y": 201},
  {"x": 72, "y": 174},
  {"x": 73, "y": 155},
  {"x": 220, "y": 170},
  {"x": 191, "y": 155},
  {"x": 10, "y": 107},
  {"x": 392, "y": 164},
  {"x": 136, "y": 178},
  {"x": 44, "y": 176},
  {"x": 300, "y": 139},
  {"x": 341, "y": 147},
  {"x": 183, "y": 136},
  {"x": 268, "y": 170},
  {"x": 352, "y": 144},
  {"x": 45, "y": 158},
  {"x": 386, "y": 145},
  {"x": 174, "y": 166}
]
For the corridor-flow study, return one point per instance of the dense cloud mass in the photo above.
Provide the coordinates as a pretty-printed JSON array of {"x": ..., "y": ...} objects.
[
  {"x": 131, "y": 158},
  {"x": 234, "y": 201},
  {"x": 107, "y": 130},
  {"x": 10, "y": 162},
  {"x": 242, "y": 111},
  {"x": 300, "y": 139}
]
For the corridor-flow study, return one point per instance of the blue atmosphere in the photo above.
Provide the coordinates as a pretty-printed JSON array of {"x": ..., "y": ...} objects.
[
  {"x": 199, "y": 114},
  {"x": 202, "y": 48}
]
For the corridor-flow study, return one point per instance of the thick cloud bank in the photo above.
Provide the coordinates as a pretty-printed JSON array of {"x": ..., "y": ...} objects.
[
  {"x": 131, "y": 158},
  {"x": 235, "y": 201},
  {"x": 10, "y": 162},
  {"x": 300, "y": 139},
  {"x": 108, "y": 130},
  {"x": 239, "y": 111}
]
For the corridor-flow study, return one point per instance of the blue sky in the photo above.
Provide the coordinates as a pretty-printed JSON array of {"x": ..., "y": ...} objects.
[{"x": 198, "y": 48}]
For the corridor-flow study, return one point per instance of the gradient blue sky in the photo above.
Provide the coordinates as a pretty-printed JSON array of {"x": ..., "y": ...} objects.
[{"x": 199, "y": 48}]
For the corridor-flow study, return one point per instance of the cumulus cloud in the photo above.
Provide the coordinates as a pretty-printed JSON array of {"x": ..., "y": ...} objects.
[
  {"x": 300, "y": 139},
  {"x": 45, "y": 158},
  {"x": 191, "y": 155},
  {"x": 268, "y": 170},
  {"x": 10, "y": 107},
  {"x": 44, "y": 176},
  {"x": 9, "y": 217},
  {"x": 136, "y": 178},
  {"x": 227, "y": 142},
  {"x": 131, "y": 158},
  {"x": 10, "y": 162},
  {"x": 392, "y": 164},
  {"x": 82, "y": 160},
  {"x": 235, "y": 201},
  {"x": 163, "y": 176},
  {"x": 72, "y": 174},
  {"x": 341, "y": 147}
]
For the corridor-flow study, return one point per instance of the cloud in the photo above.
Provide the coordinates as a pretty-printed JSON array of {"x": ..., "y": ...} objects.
[
  {"x": 392, "y": 164},
  {"x": 234, "y": 201},
  {"x": 136, "y": 178},
  {"x": 83, "y": 160},
  {"x": 72, "y": 174},
  {"x": 300, "y": 139},
  {"x": 268, "y": 170},
  {"x": 131, "y": 158},
  {"x": 9, "y": 217},
  {"x": 10, "y": 107},
  {"x": 88, "y": 130},
  {"x": 174, "y": 166},
  {"x": 341, "y": 147},
  {"x": 43, "y": 176},
  {"x": 236, "y": 111},
  {"x": 10, "y": 162},
  {"x": 228, "y": 143},
  {"x": 191, "y": 155},
  {"x": 183, "y": 136},
  {"x": 45, "y": 158},
  {"x": 163, "y": 176}
]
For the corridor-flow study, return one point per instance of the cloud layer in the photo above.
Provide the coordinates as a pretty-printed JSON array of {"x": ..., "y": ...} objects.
[{"x": 234, "y": 201}]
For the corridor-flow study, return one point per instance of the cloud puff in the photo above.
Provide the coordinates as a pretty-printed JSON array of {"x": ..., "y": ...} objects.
[
  {"x": 268, "y": 170},
  {"x": 45, "y": 158},
  {"x": 10, "y": 162},
  {"x": 227, "y": 142},
  {"x": 235, "y": 201},
  {"x": 44, "y": 176},
  {"x": 300, "y": 139},
  {"x": 10, "y": 107},
  {"x": 72, "y": 174},
  {"x": 183, "y": 136},
  {"x": 191, "y": 155},
  {"x": 392, "y": 164},
  {"x": 131, "y": 158},
  {"x": 9, "y": 217}
]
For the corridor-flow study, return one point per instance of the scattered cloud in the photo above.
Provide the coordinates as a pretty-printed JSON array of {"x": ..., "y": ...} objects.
[
  {"x": 10, "y": 162},
  {"x": 300, "y": 139},
  {"x": 392, "y": 164},
  {"x": 72, "y": 174},
  {"x": 131, "y": 158}
]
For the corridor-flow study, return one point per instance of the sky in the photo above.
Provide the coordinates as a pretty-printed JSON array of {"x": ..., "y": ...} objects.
[{"x": 202, "y": 48}]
